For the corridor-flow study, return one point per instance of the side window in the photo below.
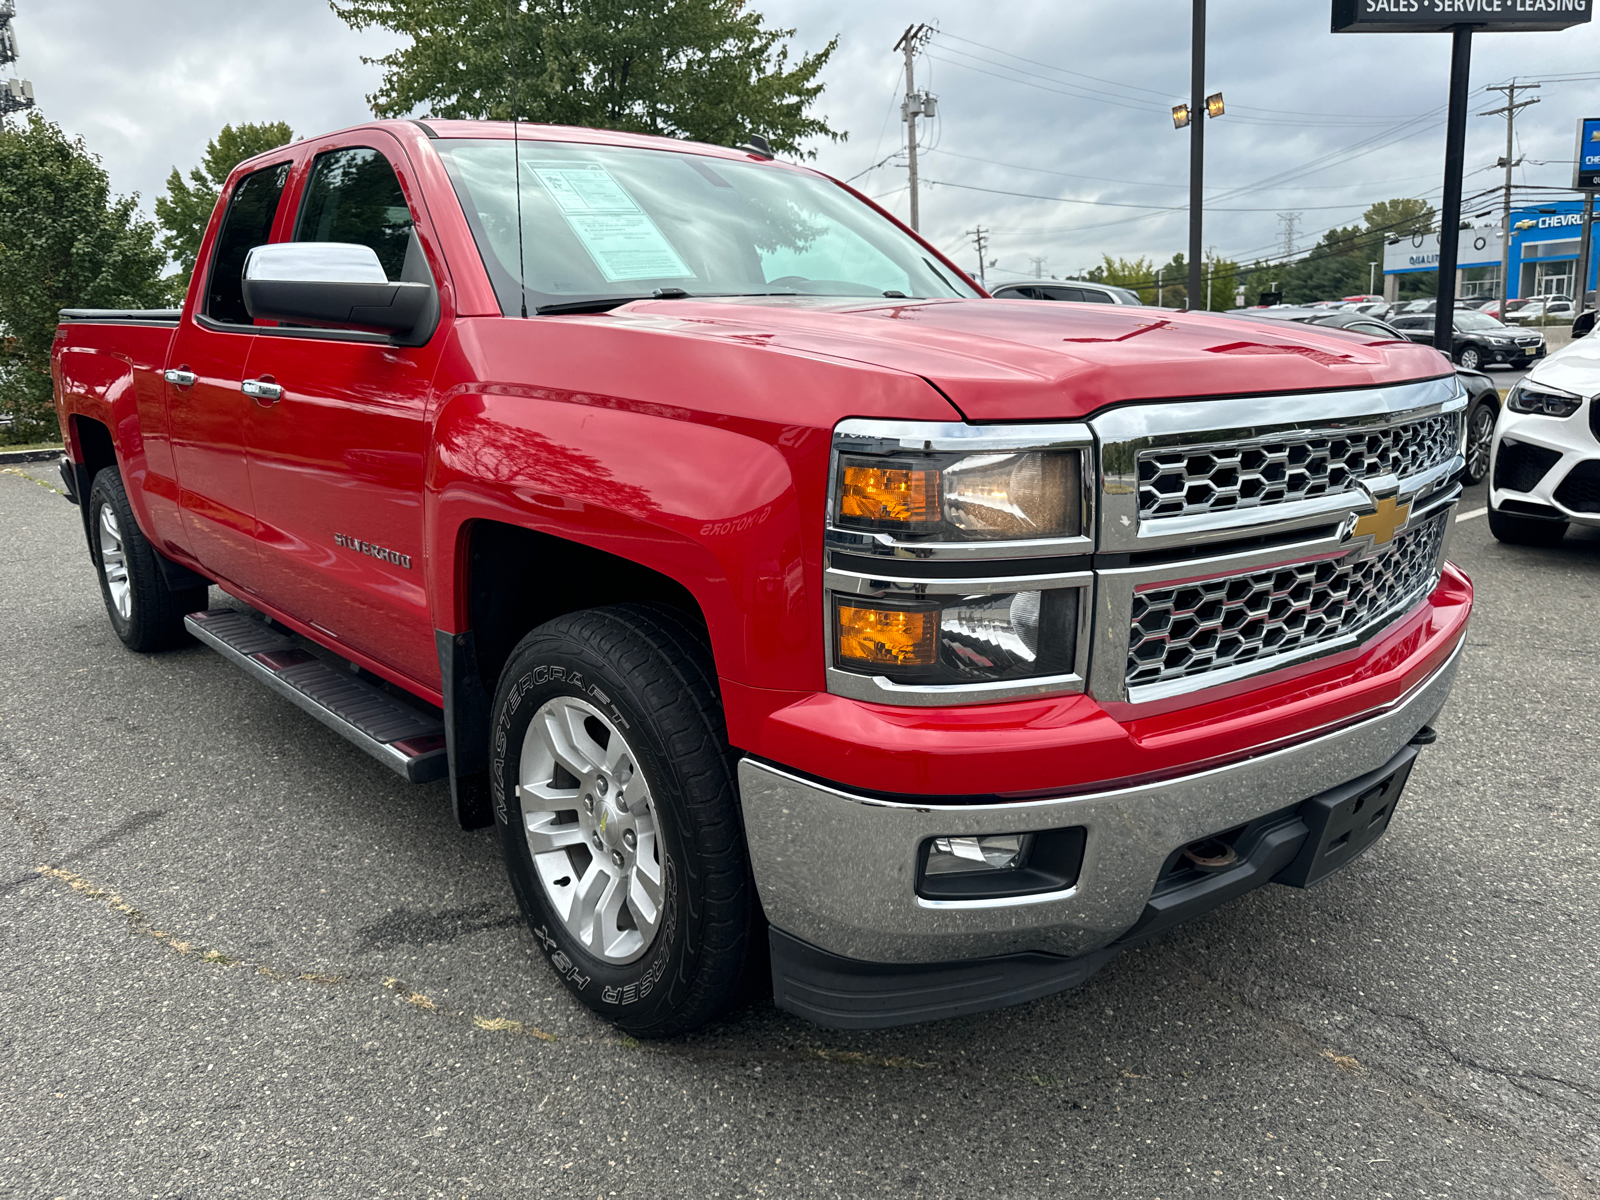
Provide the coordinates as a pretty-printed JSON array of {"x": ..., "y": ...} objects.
[
  {"x": 248, "y": 224},
  {"x": 353, "y": 196},
  {"x": 1094, "y": 296},
  {"x": 1063, "y": 293}
]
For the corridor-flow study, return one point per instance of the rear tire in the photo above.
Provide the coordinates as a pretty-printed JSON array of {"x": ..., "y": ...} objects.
[
  {"x": 144, "y": 612},
  {"x": 1525, "y": 531},
  {"x": 617, "y": 809}
]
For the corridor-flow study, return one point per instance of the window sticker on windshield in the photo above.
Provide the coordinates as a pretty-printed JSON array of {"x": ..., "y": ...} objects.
[{"x": 621, "y": 238}]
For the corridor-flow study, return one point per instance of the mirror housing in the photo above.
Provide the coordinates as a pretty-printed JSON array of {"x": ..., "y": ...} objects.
[{"x": 338, "y": 285}]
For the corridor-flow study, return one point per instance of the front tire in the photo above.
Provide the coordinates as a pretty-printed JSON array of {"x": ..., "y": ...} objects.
[
  {"x": 1470, "y": 358},
  {"x": 1480, "y": 441},
  {"x": 144, "y": 612},
  {"x": 1525, "y": 531},
  {"x": 616, "y": 805}
]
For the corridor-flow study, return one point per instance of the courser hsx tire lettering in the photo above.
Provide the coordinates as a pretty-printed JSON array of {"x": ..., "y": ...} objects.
[{"x": 640, "y": 674}]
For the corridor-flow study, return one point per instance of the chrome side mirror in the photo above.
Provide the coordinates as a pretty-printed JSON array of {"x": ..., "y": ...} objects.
[{"x": 336, "y": 284}]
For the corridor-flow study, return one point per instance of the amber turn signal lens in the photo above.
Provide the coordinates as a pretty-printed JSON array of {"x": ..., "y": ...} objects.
[
  {"x": 900, "y": 494},
  {"x": 888, "y": 637}
]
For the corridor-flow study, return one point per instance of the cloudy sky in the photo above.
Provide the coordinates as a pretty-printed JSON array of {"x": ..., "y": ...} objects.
[{"x": 1067, "y": 103}]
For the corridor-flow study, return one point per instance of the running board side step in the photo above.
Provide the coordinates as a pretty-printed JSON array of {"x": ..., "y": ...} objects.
[{"x": 404, "y": 739}]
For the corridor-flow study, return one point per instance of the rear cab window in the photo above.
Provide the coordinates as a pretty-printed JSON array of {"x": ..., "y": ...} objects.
[{"x": 248, "y": 224}]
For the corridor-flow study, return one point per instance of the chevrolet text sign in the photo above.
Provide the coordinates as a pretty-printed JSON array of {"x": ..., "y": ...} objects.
[
  {"x": 1586, "y": 162},
  {"x": 1439, "y": 16}
]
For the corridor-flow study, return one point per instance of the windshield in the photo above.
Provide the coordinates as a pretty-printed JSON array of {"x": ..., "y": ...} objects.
[
  {"x": 1468, "y": 319},
  {"x": 611, "y": 222}
]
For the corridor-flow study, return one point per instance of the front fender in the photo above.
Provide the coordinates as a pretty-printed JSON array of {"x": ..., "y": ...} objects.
[{"x": 710, "y": 507}]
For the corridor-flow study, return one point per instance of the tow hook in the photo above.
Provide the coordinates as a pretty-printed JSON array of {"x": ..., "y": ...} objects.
[{"x": 1211, "y": 855}]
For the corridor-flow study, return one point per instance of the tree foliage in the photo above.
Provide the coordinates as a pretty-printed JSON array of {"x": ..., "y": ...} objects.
[
  {"x": 1341, "y": 263},
  {"x": 1135, "y": 274},
  {"x": 65, "y": 242},
  {"x": 702, "y": 69},
  {"x": 185, "y": 209}
]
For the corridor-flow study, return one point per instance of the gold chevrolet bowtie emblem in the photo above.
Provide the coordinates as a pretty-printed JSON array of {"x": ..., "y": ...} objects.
[{"x": 1383, "y": 524}]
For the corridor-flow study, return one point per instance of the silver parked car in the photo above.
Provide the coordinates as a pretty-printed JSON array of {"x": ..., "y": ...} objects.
[{"x": 1079, "y": 290}]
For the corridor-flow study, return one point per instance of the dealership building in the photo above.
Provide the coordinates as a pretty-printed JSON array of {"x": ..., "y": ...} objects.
[{"x": 1544, "y": 254}]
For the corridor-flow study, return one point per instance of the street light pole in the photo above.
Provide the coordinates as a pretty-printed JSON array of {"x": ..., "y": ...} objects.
[{"x": 1197, "y": 131}]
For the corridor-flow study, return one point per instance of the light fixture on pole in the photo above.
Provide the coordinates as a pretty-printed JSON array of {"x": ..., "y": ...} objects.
[{"x": 1188, "y": 115}]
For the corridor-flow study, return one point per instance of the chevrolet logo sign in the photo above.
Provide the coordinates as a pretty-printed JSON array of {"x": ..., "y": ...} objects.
[{"x": 1384, "y": 522}]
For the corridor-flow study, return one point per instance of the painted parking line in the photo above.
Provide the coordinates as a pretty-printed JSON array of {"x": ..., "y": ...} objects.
[{"x": 1477, "y": 512}]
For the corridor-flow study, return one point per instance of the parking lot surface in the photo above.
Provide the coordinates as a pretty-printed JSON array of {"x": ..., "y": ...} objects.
[{"x": 241, "y": 958}]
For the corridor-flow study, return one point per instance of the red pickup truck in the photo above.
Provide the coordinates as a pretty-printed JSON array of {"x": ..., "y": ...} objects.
[{"x": 780, "y": 596}]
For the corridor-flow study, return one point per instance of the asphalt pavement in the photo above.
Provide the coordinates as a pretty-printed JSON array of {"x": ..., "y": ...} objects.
[{"x": 241, "y": 958}]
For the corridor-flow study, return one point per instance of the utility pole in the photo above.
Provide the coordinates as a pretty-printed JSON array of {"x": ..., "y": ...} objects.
[
  {"x": 1038, "y": 266},
  {"x": 980, "y": 239},
  {"x": 1372, "y": 277},
  {"x": 1509, "y": 108},
  {"x": 1585, "y": 255},
  {"x": 916, "y": 104}
]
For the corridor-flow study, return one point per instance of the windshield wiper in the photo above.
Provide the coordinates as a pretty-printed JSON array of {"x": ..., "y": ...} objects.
[{"x": 596, "y": 304}]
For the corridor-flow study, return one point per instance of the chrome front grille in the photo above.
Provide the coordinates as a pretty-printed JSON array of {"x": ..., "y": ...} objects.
[
  {"x": 1195, "y": 628},
  {"x": 1205, "y": 479}
]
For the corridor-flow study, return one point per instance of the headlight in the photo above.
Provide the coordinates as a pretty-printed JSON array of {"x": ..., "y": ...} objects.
[
  {"x": 999, "y": 495},
  {"x": 989, "y": 638},
  {"x": 1540, "y": 399}
]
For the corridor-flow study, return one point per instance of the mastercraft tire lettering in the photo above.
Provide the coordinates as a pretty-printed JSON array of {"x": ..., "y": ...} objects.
[{"x": 615, "y": 804}]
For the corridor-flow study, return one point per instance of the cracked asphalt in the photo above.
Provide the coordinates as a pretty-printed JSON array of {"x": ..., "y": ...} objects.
[{"x": 241, "y": 958}]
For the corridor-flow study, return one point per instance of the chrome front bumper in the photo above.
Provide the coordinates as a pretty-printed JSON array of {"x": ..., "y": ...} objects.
[{"x": 838, "y": 870}]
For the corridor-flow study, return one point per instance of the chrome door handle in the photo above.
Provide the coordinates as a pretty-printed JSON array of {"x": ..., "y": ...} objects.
[
  {"x": 262, "y": 391},
  {"x": 181, "y": 378}
]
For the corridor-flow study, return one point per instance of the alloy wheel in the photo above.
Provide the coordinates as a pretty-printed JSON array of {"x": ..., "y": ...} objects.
[
  {"x": 1480, "y": 437},
  {"x": 591, "y": 829},
  {"x": 114, "y": 563}
]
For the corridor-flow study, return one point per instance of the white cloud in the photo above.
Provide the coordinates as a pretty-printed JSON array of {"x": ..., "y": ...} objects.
[{"x": 146, "y": 85}]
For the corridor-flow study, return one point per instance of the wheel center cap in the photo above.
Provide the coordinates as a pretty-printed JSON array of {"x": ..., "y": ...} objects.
[{"x": 611, "y": 822}]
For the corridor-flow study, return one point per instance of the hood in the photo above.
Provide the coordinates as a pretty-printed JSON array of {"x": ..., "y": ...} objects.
[
  {"x": 1020, "y": 360},
  {"x": 1573, "y": 368}
]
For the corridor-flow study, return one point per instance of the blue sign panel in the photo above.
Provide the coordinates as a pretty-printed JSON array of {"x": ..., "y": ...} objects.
[{"x": 1586, "y": 168}]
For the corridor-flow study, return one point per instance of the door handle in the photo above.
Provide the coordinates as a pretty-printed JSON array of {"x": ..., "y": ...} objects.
[
  {"x": 181, "y": 378},
  {"x": 264, "y": 391}
]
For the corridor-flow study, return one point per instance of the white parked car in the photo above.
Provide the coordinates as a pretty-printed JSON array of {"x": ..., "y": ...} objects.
[
  {"x": 1545, "y": 471},
  {"x": 1535, "y": 310}
]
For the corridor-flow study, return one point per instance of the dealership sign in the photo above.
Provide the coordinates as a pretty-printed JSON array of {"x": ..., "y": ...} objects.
[
  {"x": 1586, "y": 162},
  {"x": 1420, "y": 251},
  {"x": 1439, "y": 16}
]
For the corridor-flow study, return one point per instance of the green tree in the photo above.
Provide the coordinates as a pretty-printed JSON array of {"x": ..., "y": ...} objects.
[
  {"x": 1399, "y": 217},
  {"x": 65, "y": 242},
  {"x": 1220, "y": 277},
  {"x": 702, "y": 69},
  {"x": 185, "y": 209},
  {"x": 1174, "y": 289},
  {"x": 1135, "y": 274}
]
